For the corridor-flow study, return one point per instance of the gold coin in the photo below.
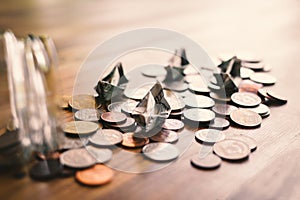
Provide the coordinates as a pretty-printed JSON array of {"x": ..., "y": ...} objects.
[
  {"x": 80, "y": 127},
  {"x": 82, "y": 101}
]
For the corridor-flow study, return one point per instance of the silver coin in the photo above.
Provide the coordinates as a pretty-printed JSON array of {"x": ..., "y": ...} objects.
[
  {"x": 106, "y": 137},
  {"x": 77, "y": 158},
  {"x": 115, "y": 107},
  {"x": 224, "y": 109},
  {"x": 261, "y": 109},
  {"x": 128, "y": 106},
  {"x": 210, "y": 161},
  {"x": 219, "y": 123},
  {"x": 165, "y": 136},
  {"x": 245, "y": 73},
  {"x": 154, "y": 71},
  {"x": 230, "y": 149},
  {"x": 246, "y": 118},
  {"x": 263, "y": 78},
  {"x": 91, "y": 115},
  {"x": 199, "y": 115},
  {"x": 245, "y": 99},
  {"x": 101, "y": 155},
  {"x": 199, "y": 101},
  {"x": 209, "y": 135},
  {"x": 160, "y": 151},
  {"x": 218, "y": 97},
  {"x": 70, "y": 143}
]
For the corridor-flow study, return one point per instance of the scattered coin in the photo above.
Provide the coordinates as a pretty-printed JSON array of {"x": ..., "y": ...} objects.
[
  {"x": 77, "y": 158},
  {"x": 69, "y": 143},
  {"x": 209, "y": 135},
  {"x": 82, "y": 101},
  {"x": 261, "y": 109},
  {"x": 263, "y": 78},
  {"x": 218, "y": 97},
  {"x": 223, "y": 109},
  {"x": 246, "y": 139},
  {"x": 113, "y": 117},
  {"x": 102, "y": 155},
  {"x": 245, "y": 99},
  {"x": 45, "y": 170},
  {"x": 173, "y": 124},
  {"x": 88, "y": 114},
  {"x": 106, "y": 137},
  {"x": 115, "y": 107},
  {"x": 160, "y": 151},
  {"x": 97, "y": 175},
  {"x": 249, "y": 86},
  {"x": 262, "y": 93},
  {"x": 199, "y": 101},
  {"x": 199, "y": 88},
  {"x": 176, "y": 103},
  {"x": 277, "y": 97},
  {"x": 165, "y": 136},
  {"x": 154, "y": 71},
  {"x": 246, "y": 118},
  {"x": 80, "y": 127},
  {"x": 219, "y": 123},
  {"x": 129, "y": 124},
  {"x": 128, "y": 106},
  {"x": 138, "y": 93},
  {"x": 245, "y": 73},
  {"x": 133, "y": 142},
  {"x": 266, "y": 115},
  {"x": 230, "y": 149},
  {"x": 199, "y": 115},
  {"x": 210, "y": 161}
]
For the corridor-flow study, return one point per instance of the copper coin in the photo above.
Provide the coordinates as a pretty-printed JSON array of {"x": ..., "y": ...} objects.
[
  {"x": 219, "y": 123},
  {"x": 210, "y": 161},
  {"x": 113, "y": 117},
  {"x": 115, "y": 107},
  {"x": 245, "y": 99},
  {"x": 77, "y": 158},
  {"x": 173, "y": 124},
  {"x": 88, "y": 114},
  {"x": 218, "y": 97},
  {"x": 102, "y": 155},
  {"x": 199, "y": 101},
  {"x": 160, "y": 151},
  {"x": 175, "y": 101},
  {"x": 209, "y": 135},
  {"x": 82, "y": 101},
  {"x": 106, "y": 137},
  {"x": 251, "y": 142},
  {"x": 246, "y": 118},
  {"x": 133, "y": 142},
  {"x": 231, "y": 149},
  {"x": 80, "y": 127},
  {"x": 97, "y": 175},
  {"x": 261, "y": 109},
  {"x": 223, "y": 109},
  {"x": 263, "y": 78},
  {"x": 165, "y": 136},
  {"x": 130, "y": 122},
  {"x": 277, "y": 97},
  {"x": 199, "y": 115}
]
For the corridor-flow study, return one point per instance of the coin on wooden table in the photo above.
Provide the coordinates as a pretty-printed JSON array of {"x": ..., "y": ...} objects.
[
  {"x": 175, "y": 101},
  {"x": 77, "y": 158},
  {"x": 128, "y": 106},
  {"x": 219, "y": 123},
  {"x": 199, "y": 101},
  {"x": 276, "y": 97},
  {"x": 97, "y": 175},
  {"x": 45, "y": 170},
  {"x": 113, "y": 117},
  {"x": 224, "y": 109},
  {"x": 129, "y": 124},
  {"x": 160, "y": 151},
  {"x": 209, "y": 135},
  {"x": 245, "y": 99},
  {"x": 210, "y": 161},
  {"x": 218, "y": 97},
  {"x": 133, "y": 142},
  {"x": 82, "y": 101},
  {"x": 245, "y": 73},
  {"x": 263, "y": 78},
  {"x": 88, "y": 114},
  {"x": 63, "y": 101},
  {"x": 199, "y": 115},
  {"x": 102, "y": 155},
  {"x": 165, "y": 136},
  {"x": 80, "y": 127},
  {"x": 173, "y": 124},
  {"x": 230, "y": 149},
  {"x": 261, "y": 109},
  {"x": 115, "y": 107},
  {"x": 246, "y": 118},
  {"x": 106, "y": 137},
  {"x": 154, "y": 71},
  {"x": 251, "y": 142}
]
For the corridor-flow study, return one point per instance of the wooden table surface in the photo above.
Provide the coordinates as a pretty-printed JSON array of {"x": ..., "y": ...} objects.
[{"x": 270, "y": 29}]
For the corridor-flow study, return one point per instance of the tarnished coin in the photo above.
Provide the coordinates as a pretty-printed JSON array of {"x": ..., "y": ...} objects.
[
  {"x": 210, "y": 161},
  {"x": 165, "y": 136},
  {"x": 160, "y": 151},
  {"x": 77, "y": 158},
  {"x": 175, "y": 101},
  {"x": 263, "y": 78},
  {"x": 223, "y": 109},
  {"x": 231, "y": 149},
  {"x": 261, "y": 109},
  {"x": 245, "y": 73},
  {"x": 219, "y": 123},
  {"x": 209, "y": 135},
  {"x": 173, "y": 124},
  {"x": 106, "y": 137},
  {"x": 199, "y": 101},
  {"x": 128, "y": 106},
  {"x": 251, "y": 142},
  {"x": 80, "y": 127},
  {"x": 88, "y": 114},
  {"x": 45, "y": 170},
  {"x": 133, "y": 142},
  {"x": 277, "y": 97},
  {"x": 102, "y": 155},
  {"x": 154, "y": 71},
  {"x": 97, "y": 175},
  {"x": 246, "y": 118},
  {"x": 199, "y": 88},
  {"x": 245, "y": 99},
  {"x": 199, "y": 115},
  {"x": 115, "y": 107},
  {"x": 63, "y": 101},
  {"x": 113, "y": 117},
  {"x": 218, "y": 97},
  {"x": 82, "y": 101},
  {"x": 129, "y": 124}
]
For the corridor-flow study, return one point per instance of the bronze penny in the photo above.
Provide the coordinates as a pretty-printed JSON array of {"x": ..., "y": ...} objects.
[
  {"x": 133, "y": 142},
  {"x": 173, "y": 124},
  {"x": 210, "y": 161},
  {"x": 77, "y": 158},
  {"x": 113, "y": 117},
  {"x": 245, "y": 99},
  {"x": 82, "y": 101},
  {"x": 96, "y": 175},
  {"x": 223, "y": 109},
  {"x": 231, "y": 149},
  {"x": 246, "y": 118},
  {"x": 165, "y": 136}
]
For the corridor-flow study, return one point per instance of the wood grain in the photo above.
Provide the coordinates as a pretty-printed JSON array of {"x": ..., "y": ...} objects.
[{"x": 270, "y": 29}]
